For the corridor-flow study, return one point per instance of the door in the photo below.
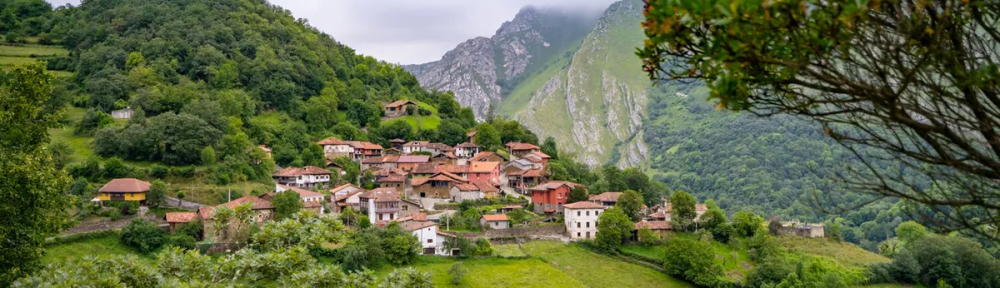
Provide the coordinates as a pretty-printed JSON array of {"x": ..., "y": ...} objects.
[{"x": 429, "y": 251}]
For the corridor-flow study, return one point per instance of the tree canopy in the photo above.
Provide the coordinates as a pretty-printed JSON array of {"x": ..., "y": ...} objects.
[{"x": 903, "y": 79}]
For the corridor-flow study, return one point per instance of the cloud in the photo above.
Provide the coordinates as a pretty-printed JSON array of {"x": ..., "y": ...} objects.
[{"x": 409, "y": 32}]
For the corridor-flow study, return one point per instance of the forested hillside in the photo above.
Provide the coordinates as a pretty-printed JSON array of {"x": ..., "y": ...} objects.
[{"x": 226, "y": 74}]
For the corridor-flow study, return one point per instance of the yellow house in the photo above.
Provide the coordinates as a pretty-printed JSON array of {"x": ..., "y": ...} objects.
[{"x": 124, "y": 189}]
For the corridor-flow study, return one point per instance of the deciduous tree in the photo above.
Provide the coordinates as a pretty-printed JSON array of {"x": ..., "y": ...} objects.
[
  {"x": 31, "y": 187},
  {"x": 613, "y": 229},
  {"x": 896, "y": 83}
]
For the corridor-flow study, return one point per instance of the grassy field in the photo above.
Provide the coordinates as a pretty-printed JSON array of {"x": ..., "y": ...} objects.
[
  {"x": 493, "y": 272},
  {"x": 196, "y": 190},
  {"x": 106, "y": 245},
  {"x": 843, "y": 253},
  {"x": 508, "y": 250},
  {"x": 735, "y": 262},
  {"x": 595, "y": 270},
  {"x": 32, "y": 51},
  {"x": 421, "y": 122}
]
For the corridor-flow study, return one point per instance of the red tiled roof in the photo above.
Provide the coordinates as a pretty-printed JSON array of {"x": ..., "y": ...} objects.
[
  {"x": 262, "y": 147},
  {"x": 342, "y": 187},
  {"x": 550, "y": 185},
  {"x": 181, "y": 217},
  {"x": 583, "y": 205},
  {"x": 370, "y": 146},
  {"x": 393, "y": 179},
  {"x": 440, "y": 146},
  {"x": 331, "y": 141},
  {"x": 452, "y": 168},
  {"x": 534, "y": 173},
  {"x": 348, "y": 195},
  {"x": 302, "y": 192},
  {"x": 467, "y": 187},
  {"x": 466, "y": 145},
  {"x": 448, "y": 155},
  {"x": 311, "y": 204},
  {"x": 397, "y": 140},
  {"x": 486, "y": 187},
  {"x": 521, "y": 146},
  {"x": 426, "y": 168},
  {"x": 419, "y": 216},
  {"x": 414, "y": 159},
  {"x": 670, "y": 207},
  {"x": 653, "y": 225},
  {"x": 373, "y": 160},
  {"x": 605, "y": 197},
  {"x": 382, "y": 194},
  {"x": 416, "y": 144},
  {"x": 539, "y": 154},
  {"x": 484, "y": 155},
  {"x": 483, "y": 167},
  {"x": 414, "y": 225},
  {"x": 495, "y": 217},
  {"x": 400, "y": 103},
  {"x": 470, "y": 133},
  {"x": 296, "y": 171},
  {"x": 658, "y": 215},
  {"x": 127, "y": 185}
]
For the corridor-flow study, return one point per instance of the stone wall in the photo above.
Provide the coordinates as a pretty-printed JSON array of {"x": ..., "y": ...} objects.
[{"x": 532, "y": 232}]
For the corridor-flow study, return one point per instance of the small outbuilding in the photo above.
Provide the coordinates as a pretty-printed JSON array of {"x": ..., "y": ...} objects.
[{"x": 495, "y": 221}]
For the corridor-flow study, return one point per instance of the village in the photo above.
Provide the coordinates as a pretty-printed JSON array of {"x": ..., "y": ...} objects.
[{"x": 419, "y": 184}]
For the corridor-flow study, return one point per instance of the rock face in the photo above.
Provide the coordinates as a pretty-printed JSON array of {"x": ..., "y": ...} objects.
[
  {"x": 582, "y": 86},
  {"x": 481, "y": 70}
]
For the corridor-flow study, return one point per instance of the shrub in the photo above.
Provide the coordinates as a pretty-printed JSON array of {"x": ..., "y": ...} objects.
[
  {"x": 693, "y": 261},
  {"x": 183, "y": 241},
  {"x": 143, "y": 236},
  {"x": 457, "y": 272},
  {"x": 723, "y": 232},
  {"x": 159, "y": 171},
  {"x": 483, "y": 247},
  {"x": 193, "y": 229},
  {"x": 648, "y": 237},
  {"x": 424, "y": 112}
]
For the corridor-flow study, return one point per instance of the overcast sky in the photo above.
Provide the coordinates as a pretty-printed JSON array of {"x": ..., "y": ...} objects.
[{"x": 410, "y": 31}]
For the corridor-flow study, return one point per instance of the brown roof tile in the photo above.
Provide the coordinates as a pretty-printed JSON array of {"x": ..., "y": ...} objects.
[
  {"x": 296, "y": 171},
  {"x": 415, "y": 225},
  {"x": 126, "y": 185},
  {"x": 181, "y": 217},
  {"x": 414, "y": 159},
  {"x": 400, "y": 103},
  {"x": 653, "y": 225},
  {"x": 521, "y": 146},
  {"x": 331, "y": 141},
  {"x": 605, "y": 197},
  {"x": 495, "y": 217},
  {"x": 583, "y": 205},
  {"x": 483, "y": 167}
]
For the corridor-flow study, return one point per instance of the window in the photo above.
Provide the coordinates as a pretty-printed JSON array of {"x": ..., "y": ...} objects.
[
  {"x": 597, "y": 213},
  {"x": 430, "y": 240},
  {"x": 577, "y": 224},
  {"x": 496, "y": 224},
  {"x": 588, "y": 224},
  {"x": 588, "y": 213},
  {"x": 577, "y": 234},
  {"x": 577, "y": 213}
]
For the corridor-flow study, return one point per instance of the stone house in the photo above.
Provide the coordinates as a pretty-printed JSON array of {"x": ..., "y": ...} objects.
[
  {"x": 581, "y": 219},
  {"x": 385, "y": 204},
  {"x": 699, "y": 210},
  {"x": 305, "y": 177},
  {"x": 424, "y": 146},
  {"x": 408, "y": 162},
  {"x": 521, "y": 180},
  {"x": 398, "y": 108},
  {"x": 494, "y": 221},
  {"x": 608, "y": 199},
  {"x": 659, "y": 227},
  {"x": 333, "y": 148},
  {"x": 176, "y": 219},
  {"x": 263, "y": 211},
  {"x": 473, "y": 191},
  {"x": 397, "y": 144},
  {"x": 437, "y": 186},
  {"x": 517, "y": 150},
  {"x": 807, "y": 230},
  {"x": 549, "y": 197}
]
